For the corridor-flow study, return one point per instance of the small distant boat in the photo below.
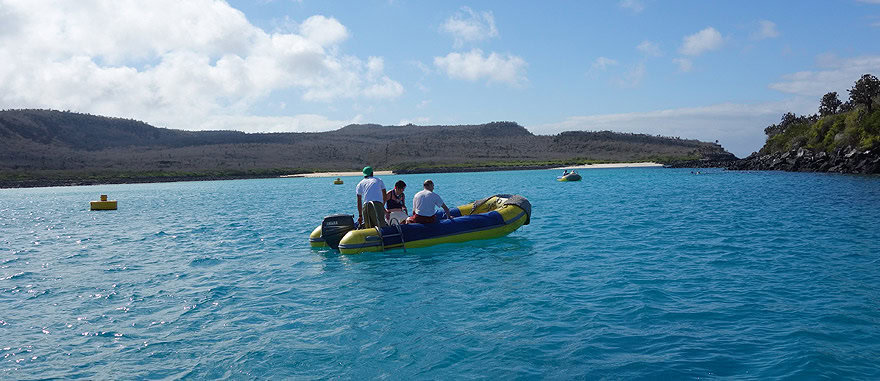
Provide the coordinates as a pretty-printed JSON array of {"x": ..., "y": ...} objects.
[
  {"x": 491, "y": 217},
  {"x": 338, "y": 181},
  {"x": 574, "y": 176}
]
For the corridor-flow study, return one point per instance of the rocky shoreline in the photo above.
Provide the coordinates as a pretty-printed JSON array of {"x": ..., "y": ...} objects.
[
  {"x": 841, "y": 160},
  {"x": 707, "y": 161},
  {"x": 409, "y": 171},
  {"x": 641, "y": 164}
]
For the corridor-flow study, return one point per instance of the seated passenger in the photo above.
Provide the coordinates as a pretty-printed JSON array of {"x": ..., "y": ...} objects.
[
  {"x": 424, "y": 204},
  {"x": 395, "y": 206}
]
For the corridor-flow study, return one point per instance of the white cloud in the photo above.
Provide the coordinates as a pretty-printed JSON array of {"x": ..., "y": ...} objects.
[
  {"x": 472, "y": 66},
  {"x": 766, "y": 29},
  {"x": 684, "y": 65},
  {"x": 386, "y": 88},
  {"x": 628, "y": 77},
  {"x": 649, "y": 48},
  {"x": 423, "y": 120},
  {"x": 470, "y": 26},
  {"x": 296, "y": 123},
  {"x": 171, "y": 63},
  {"x": 323, "y": 31},
  {"x": 382, "y": 86},
  {"x": 633, "y": 77},
  {"x": 701, "y": 42},
  {"x": 839, "y": 75},
  {"x": 633, "y": 5},
  {"x": 602, "y": 64},
  {"x": 738, "y": 127},
  {"x": 827, "y": 60}
]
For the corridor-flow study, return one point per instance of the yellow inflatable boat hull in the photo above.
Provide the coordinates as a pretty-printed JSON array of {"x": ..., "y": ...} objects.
[
  {"x": 493, "y": 217},
  {"x": 569, "y": 177}
]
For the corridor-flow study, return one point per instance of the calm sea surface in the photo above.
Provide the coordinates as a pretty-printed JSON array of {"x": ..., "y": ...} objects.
[{"x": 631, "y": 273}]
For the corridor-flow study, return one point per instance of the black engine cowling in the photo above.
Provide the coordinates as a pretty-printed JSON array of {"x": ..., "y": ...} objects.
[{"x": 334, "y": 227}]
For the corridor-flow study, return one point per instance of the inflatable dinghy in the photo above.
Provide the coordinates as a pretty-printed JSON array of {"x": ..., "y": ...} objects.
[
  {"x": 491, "y": 217},
  {"x": 569, "y": 177}
]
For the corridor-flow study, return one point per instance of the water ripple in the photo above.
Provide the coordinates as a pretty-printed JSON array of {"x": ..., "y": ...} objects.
[{"x": 630, "y": 274}]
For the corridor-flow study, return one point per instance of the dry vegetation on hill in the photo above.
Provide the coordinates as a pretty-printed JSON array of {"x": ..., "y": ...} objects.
[{"x": 44, "y": 144}]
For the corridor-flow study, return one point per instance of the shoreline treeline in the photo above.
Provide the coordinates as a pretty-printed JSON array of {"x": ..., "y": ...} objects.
[
  {"x": 841, "y": 137},
  {"x": 853, "y": 124}
]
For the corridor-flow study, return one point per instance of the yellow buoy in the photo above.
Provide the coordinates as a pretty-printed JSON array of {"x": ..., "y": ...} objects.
[
  {"x": 104, "y": 204},
  {"x": 338, "y": 181}
]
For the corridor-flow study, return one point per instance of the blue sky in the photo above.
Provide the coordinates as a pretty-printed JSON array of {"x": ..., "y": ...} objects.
[{"x": 696, "y": 69}]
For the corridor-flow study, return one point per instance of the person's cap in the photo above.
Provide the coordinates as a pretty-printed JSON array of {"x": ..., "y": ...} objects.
[{"x": 368, "y": 171}]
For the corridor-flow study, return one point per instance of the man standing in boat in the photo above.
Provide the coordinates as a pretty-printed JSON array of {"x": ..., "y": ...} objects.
[
  {"x": 370, "y": 189},
  {"x": 424, "y": 204}
]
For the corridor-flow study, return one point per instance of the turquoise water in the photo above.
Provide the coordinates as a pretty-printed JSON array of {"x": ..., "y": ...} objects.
[{"x": 630, "y": 273}]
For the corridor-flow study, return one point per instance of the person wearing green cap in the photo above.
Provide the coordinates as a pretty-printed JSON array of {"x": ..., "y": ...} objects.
[{"x": 370, "y": 189}]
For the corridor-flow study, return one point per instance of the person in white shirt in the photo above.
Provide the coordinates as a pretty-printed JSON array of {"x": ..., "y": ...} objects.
[
  {"x": 424, "y": 204},
  {"x": 368, "y": 190}
]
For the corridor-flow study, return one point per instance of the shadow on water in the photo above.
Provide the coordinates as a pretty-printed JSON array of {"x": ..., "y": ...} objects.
[{"x": 502, "y": 247}]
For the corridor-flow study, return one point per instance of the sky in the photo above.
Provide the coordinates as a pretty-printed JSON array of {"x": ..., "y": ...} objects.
[{"x": 708, "y": 70}]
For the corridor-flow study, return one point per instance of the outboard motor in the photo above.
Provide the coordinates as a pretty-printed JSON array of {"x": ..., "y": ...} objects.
[{"x": 334, "y": 227}]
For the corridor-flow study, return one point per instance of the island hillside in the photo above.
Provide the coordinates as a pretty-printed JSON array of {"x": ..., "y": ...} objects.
[
  {"x": 842, "y": 137},
  {"x": 45, "y": 147}
]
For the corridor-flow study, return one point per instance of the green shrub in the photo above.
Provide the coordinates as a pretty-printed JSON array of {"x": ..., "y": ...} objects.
[
  {"x": 786, "y": 140},
  {"x": 856, "y": 128},
  {"x": 871, "y": 137},
  {"x": 817, "y": 133},
  {"x": 828, "y": 142}
]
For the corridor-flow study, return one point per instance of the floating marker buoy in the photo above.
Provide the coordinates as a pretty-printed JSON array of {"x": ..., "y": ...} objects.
[
  {"x": 104, "y": 204},
  {"x": 338, "y": 181}
]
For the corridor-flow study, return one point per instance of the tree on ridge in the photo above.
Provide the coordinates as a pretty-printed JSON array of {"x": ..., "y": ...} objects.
[
  {"x": 864, "y": 91},
  {"x": 830, "y": 104}
]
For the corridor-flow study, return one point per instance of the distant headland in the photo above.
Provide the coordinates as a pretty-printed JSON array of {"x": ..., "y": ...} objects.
[
  {"x": 841, "y": 137},
  {"x": 53, "y": 148}
]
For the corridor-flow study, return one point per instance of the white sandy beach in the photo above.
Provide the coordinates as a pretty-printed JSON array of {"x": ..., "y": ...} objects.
[
  {"x": 612, "y": 165},
  {"x": 338, "y": 174},
  {"x": 387, "y": 173}
]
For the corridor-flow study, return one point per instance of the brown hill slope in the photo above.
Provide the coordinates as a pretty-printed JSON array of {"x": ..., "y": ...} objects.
[{"x": 37, "y": 144}]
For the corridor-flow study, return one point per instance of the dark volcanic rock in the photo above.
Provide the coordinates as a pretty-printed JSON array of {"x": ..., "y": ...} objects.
[
  {"x": 709, "y": 160},
  {"x": 842, "y": 160}
]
